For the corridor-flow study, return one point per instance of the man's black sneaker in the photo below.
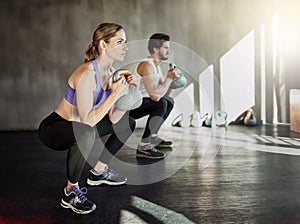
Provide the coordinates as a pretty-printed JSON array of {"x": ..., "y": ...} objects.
[
  {"x": 76, "y": 200},
  {"x": 160, "y": 143},
  {"x": 149, "y": 152},
  {"x": 107, "y": 176}
]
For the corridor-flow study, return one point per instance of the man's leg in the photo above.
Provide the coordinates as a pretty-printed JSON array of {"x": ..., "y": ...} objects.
[
  {"x": 169, "y": 102},
  {"x": 155, "y": 140},
  {"x": 156, "y": 111}
]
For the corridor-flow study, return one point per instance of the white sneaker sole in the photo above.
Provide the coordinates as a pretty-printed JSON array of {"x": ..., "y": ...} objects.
[
  {"x": 78, "y": 211},
  {"x": 99, "y": 182}
]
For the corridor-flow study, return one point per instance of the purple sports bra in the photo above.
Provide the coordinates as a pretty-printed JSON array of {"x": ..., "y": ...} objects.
[{"x": 99, "y": 93}]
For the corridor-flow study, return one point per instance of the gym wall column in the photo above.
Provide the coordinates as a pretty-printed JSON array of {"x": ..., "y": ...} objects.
[{"x": 269, "y": 72}]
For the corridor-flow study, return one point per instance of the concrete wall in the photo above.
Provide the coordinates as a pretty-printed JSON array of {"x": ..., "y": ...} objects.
[{"x": 43, "y": 41}]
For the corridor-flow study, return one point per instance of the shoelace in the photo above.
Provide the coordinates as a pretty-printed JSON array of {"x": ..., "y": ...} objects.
[
  {"x": 111, "y": 172},
  {"x": 80, "y": 192},
  {"x": 156, "y": 139},
  {"x": 150, "y": 147}
]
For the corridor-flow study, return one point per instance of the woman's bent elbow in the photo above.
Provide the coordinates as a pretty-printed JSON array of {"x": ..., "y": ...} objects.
[
  {"x": 155, "y": 98},
  {"x": 114, "y": 120}
]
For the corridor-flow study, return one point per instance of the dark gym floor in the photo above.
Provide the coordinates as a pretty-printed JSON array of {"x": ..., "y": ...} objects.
[{"x": 236, "y": 174}]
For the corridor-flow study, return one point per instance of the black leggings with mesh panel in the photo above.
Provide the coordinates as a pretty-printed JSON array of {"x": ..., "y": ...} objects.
[{"x": 60, "y": 134}]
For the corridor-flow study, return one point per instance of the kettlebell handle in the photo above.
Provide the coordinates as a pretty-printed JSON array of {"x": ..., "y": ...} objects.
[
  {"x": 172, "y": 66},
  {"x": 118, "y": 74},
  {"x": 180, "y": 81}
]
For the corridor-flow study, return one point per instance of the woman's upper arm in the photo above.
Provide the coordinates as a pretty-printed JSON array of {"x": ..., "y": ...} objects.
[{"x": 84, "y": 95}]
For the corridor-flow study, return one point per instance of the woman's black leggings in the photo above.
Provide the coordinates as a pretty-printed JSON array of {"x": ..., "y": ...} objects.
[
  {"x": 158, "y": 112},
  {"x": 60, "y": 134}
]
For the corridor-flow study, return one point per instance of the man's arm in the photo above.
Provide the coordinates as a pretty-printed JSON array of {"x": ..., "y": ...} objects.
[{"x": 155, "y": 89}]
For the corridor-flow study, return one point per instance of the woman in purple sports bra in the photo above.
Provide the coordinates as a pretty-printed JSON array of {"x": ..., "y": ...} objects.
[{"x": 87, "y": 110}]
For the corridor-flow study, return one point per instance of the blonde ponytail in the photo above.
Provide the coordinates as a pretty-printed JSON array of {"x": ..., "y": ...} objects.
[{"x": 91, "y": 53}]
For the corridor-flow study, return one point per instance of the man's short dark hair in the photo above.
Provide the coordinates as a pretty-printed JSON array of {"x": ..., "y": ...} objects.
[{"x": 156, "y": 41}]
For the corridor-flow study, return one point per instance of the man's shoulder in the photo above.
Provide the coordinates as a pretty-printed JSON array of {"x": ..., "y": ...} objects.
[
  {"x": 145, "y": 64},
  {"x": 145, "y": 67}
]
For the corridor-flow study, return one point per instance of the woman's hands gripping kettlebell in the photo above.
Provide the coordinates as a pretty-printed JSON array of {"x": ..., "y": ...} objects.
[{"x": 133, "y": 98}]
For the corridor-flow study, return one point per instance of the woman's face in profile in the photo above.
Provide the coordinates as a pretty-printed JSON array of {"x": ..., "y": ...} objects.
[{"x": 117, "y": 47}]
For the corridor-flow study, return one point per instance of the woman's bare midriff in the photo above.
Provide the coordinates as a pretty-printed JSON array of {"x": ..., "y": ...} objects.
[{"x": 67, "y": 111}]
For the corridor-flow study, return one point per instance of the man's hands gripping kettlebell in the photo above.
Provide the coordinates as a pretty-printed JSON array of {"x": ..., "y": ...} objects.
[{"x": 180, "y": 81}]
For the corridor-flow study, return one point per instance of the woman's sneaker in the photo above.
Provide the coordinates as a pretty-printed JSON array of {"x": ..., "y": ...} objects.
[
  {"x": 107, "y": 176},
  {"x": 149, "y": 152},
  {"x": 76, "y": 200}
]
